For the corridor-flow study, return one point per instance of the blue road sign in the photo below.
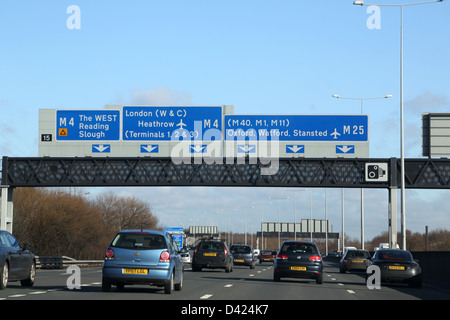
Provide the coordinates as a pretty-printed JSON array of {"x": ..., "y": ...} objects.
[
  {"x": 82, "y": 125},
  {"x": 149, "y": 148},
  {"x": 297, "y": 127},
  {"x": 171, "y": 123},
  {"x": 101, "y": 148}
]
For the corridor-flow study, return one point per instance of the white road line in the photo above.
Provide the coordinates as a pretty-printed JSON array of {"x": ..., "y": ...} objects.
[
  {"x": 17, "y": 296},
  {"x": 206, "y": 296},
  {"x": 350, "y": 291},
  {"x": 38, "y": 292},
  {"x": 228, "y": 285},
  {"x": 340, "y": 284}
]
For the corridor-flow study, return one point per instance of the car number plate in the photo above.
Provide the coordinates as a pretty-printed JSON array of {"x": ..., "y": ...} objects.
[
  {"x": 358, "y": 261},
  {"x": 396, "y": 268},
  {"x": 298, "y": 268},
  {"x": 239, "y": 260},
  {"x": 135, "y": 271},
  {"x": 210, "y": 254}
]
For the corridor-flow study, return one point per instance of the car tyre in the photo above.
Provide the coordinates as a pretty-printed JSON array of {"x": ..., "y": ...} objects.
[
  {"x": 29, "y": 282},
  {"x": 179, "y": 285},
  {"x": 276, "y": 277},
  {"x": 106, "y": 285},
  {"x": 168, "y": 287},
  {"x": 319, "y": 279},
  {"x": 4, "y": 273}
]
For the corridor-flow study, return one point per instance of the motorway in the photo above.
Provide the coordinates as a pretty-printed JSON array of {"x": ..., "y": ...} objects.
[{"x": 243, "y": 284}]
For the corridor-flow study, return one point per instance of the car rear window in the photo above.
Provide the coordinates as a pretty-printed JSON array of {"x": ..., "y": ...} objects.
[
  {"x": 298, "y": 247},
  {"x": 240, "y": 249},
  {"x": 358, "y": 254},
  {"x": 142, "y": 241},
  {"x": 395, "y": 255},
  {"x": 210, "y": 246}
]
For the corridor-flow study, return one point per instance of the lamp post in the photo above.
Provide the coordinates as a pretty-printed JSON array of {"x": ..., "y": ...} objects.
[
  {"x": 279, "y": 224},
  {"x": 262, "y": 220},
  {"x": 402, "y": 142},
  {"x": 362, "y": 189}
]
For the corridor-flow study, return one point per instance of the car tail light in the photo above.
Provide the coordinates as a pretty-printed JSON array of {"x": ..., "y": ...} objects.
[
  {"x": 225, "y": 249},
  {"x": 315, "y": 258},
  {"x": 164, "y": 257},
  {"x": 109, "y": 255},
  {"x": 282, "y": 256},
  {"x": 196, "y": 248}
]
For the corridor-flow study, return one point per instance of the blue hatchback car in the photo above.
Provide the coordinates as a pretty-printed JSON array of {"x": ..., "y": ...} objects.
[{"x": 142, "y": 257}]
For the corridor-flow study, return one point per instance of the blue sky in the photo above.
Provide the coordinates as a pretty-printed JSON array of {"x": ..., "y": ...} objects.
[{"x": 269, "y": 57}]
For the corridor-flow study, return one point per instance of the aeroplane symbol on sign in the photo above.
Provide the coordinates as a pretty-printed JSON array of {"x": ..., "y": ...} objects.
[
  {"x": 335, "y": 134},
  {"x": 181, "y": 124}
]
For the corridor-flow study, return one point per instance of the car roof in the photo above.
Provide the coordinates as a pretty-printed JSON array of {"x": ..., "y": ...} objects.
[
  {"x": 299, "y": 241},
  {"x": 143, "y": 231}
]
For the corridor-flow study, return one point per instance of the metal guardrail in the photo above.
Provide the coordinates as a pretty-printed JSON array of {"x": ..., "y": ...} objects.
[{"x": 59, "y": 262}]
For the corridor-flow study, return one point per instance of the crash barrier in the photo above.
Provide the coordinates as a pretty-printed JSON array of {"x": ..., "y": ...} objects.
[
  {"x": 49, "y": 262},
  {"x": 59, "y": 262},
  {"x": 435, "y": 266}
]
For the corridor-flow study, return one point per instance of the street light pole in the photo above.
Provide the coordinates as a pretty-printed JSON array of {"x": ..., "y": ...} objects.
[
  {"x": 402, "y": 142},
  {"x": 362, "y": 189}
]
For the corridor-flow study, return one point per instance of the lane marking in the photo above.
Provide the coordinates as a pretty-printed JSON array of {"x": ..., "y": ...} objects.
[
  {"x": 206, "y": 296},
  {"x": 350, "y": 291},
  {"x": 228, "y": 285}
]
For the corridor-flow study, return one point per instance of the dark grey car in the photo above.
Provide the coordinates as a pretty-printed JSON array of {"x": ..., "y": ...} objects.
[
  {"x": 16, "y": 263},
  {"x": 212, "y": 254},
  {"x": 298, "y": 259},
  {"x": 243, "y": 255},
  {"x": 354, "y": 260},
  {"x": 397, "y": 266}
]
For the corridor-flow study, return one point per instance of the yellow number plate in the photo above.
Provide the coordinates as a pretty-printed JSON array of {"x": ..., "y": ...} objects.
[
  {"x": 358, "y": 261},
  {"x": 298, "y": 268},
  {"x": 210, "y": 254},
  {"x": 239, "y": 260},
  {"x": 396, "y": 268},
  {"x": 135, "y": 271}
]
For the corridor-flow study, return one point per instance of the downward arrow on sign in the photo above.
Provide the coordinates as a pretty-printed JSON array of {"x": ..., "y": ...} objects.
[
  {"x": 198, "y": 148},
  {"x": 346, "y": 149},
  {"x": 100, "y": 147}
]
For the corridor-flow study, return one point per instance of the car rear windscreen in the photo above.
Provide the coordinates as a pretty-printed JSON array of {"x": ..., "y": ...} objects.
[
  {"x": 211, "y": 246},
  {"x": 141, "y": 241},
  {"x": 298, "y": 247}
]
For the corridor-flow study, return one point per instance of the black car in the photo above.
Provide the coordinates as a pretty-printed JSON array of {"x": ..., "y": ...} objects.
[
  {"x": 16, "y": 263},
  {"x": 397, "y": 266},
  {"x": 243, "y": 255},
  {"x": 212, "y": 254},
  {"x": 354, "y": 260},
  {"x": 298, "y": 259}
]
